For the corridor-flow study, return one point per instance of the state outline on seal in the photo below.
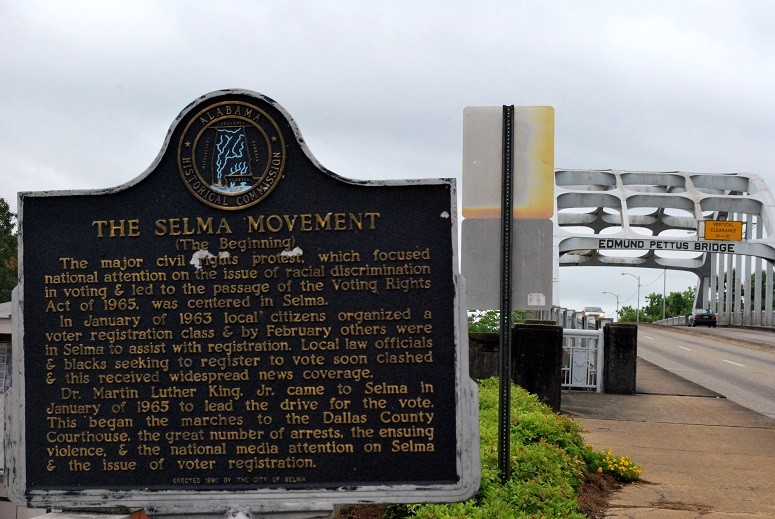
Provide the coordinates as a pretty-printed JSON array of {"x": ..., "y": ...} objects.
[{"x": 231, "y": 155}]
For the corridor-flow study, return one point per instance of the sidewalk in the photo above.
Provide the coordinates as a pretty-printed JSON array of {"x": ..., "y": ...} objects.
[{"x": 703, "y": 456}]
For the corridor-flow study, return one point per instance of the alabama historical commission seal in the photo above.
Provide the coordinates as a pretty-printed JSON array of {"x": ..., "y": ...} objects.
[{"x": 231, "y": 155}]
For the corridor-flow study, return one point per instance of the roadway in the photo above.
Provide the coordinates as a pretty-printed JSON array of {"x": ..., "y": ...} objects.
[{"x": 737, "y": 363}]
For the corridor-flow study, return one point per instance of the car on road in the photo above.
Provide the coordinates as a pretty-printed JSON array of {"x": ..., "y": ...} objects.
[
  {"x": 593, "y": 311},
  {"x": 701, "y": 316}
]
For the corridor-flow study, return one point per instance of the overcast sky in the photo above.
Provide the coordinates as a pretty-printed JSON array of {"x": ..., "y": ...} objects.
[{"x": 88, "y": 90}]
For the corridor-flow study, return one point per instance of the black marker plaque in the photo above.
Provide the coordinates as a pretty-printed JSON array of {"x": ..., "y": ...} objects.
[{"x": 240, "y": 321}]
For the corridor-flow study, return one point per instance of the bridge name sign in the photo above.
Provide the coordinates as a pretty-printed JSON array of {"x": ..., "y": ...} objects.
[{"x": 671, "y": 245}]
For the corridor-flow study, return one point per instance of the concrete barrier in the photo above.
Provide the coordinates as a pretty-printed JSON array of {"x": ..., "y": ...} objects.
[{"x": 620, "y": 358}]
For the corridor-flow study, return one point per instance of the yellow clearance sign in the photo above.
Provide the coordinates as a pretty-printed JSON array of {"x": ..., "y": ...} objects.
[{"x": 723, "y": 230}]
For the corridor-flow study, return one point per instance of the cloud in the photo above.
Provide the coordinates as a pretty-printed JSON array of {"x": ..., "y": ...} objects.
[{"x": 378, "y": 89}]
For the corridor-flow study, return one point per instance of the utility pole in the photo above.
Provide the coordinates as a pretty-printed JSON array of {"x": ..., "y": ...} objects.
[
  {"x": 637, "y": 312},
  {"x": 617, "y": 302}
]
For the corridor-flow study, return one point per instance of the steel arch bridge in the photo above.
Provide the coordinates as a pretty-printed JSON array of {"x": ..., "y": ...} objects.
[{"x": 654, "y": 219}]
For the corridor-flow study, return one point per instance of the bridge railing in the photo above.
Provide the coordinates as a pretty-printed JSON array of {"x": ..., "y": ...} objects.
[
  {"x": 582, "y": 348},
  {"x": 681, "y": 320},
  {"x": 582, "y": 359},
  {"x": 737, "y": 319}
]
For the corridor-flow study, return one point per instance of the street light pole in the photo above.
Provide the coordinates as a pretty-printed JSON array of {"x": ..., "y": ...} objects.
[
  {"x": 664, "y": 293},
  {"x": 637, "y": 311},
  {"x": 617, "y": 302}
]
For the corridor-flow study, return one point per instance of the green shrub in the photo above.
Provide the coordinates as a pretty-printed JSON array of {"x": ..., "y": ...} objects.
[{"x": 549, "y": 460}]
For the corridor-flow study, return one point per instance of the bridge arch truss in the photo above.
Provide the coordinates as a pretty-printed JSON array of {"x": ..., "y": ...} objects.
[{"x": 652, "y": 220}]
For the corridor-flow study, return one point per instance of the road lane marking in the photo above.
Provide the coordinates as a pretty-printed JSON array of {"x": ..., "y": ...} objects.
[
  {"x": 685, "y": 348},
  {"x": 735, "y": 363},
  {"x": 647, "y": 337}
]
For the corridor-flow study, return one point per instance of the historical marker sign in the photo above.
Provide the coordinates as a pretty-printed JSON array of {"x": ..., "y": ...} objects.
[{"x": 239, "y": 325}]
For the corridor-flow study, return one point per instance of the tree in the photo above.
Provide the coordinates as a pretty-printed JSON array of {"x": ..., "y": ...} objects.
[
  {"x": 680, "y": 303},
  {"x": 489, "y": 321},
  {"x": 627, "y": 314},
  {"x": 653, "y": 307},
  {"x": 676, "y": 304},
  {"x": 9, "y": 263}
]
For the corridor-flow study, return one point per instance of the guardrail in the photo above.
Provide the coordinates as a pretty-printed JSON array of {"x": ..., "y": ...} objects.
[
  {"x": 582, "y": 359},
  {"x": 681, "y": 320},
  {"x": 582, "y": 348}
]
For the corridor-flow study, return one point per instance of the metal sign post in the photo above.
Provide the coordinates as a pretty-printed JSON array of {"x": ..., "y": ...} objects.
[
  {"x": 504, "y": 414},
  {"x": 508, "y": 197}
]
